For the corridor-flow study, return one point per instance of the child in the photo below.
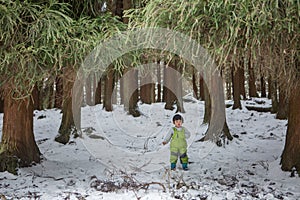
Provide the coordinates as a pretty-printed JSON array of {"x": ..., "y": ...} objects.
[{"x": 178, "y": 147}]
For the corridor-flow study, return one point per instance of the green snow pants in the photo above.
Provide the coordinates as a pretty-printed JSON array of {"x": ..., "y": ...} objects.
[{"x": 178, "y": 152}]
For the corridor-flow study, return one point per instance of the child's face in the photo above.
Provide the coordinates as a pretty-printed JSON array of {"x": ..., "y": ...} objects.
[{"x": 178, "y": 123}]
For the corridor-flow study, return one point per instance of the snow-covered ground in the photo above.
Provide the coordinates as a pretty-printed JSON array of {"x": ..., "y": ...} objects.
[{"x": 121, "y": 157}]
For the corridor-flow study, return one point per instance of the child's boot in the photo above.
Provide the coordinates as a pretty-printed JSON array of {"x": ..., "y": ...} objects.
[
  {"x": 185, "y": 167},
  {"x": 173, "y": 166}
]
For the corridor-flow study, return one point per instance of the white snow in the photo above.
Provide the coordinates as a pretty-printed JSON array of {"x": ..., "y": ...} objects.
[{"x": 117, "y": 148}]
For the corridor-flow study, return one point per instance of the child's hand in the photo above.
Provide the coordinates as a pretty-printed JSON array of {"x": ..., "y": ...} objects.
[{"x": 164, "y": 143}]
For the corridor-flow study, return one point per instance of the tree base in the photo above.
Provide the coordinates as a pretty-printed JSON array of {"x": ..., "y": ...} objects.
[{"x": 9, "y": 163}]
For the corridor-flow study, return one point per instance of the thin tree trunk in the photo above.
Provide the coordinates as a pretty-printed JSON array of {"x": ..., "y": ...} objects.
[
  {"x": 158, "y": 82},
  {"x": 291, "y": 154},
  {"x": 1, "y": 105},
  {"x": 236, "y": 89},
  {"x": 169, "y": 87},
  {"x": 195, "y": 87},
  {"x": 274, "y": 97},
  {"x": 178, "y": 89},
  {"x": 67, "y": 126},
  {"x": 270, "y": 88},
  {"x": 98, "y": 92},
  {"x": 18, "y": 147},
  {"x": 207, "y": 105},
  {"x": 108, "y": 90},
  {"x": 263, "y": 87},
  {"x": 58, "y": 92},
  {"x": 201, "y": 86},
  {"x": 251, "y": 81},
  {"x": 282, "y": 112},
  {"x": 88, "y": 90},
  {"x": 241, "y": 72}
]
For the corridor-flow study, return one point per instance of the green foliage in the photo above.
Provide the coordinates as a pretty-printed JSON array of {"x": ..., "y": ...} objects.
[
  {"x": 231, "y": 30},
  {"x": 38, "y": 39}
]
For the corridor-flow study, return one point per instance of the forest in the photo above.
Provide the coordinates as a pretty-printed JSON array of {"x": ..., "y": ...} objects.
[{"x": 70, "y": 54}]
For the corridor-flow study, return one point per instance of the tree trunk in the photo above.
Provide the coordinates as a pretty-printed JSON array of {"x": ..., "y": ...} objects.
[
  {"x": 169, "y": 88},
  {"x": 282, "y": 112},
  {"x": 58, "y": 92},
  {"x": 195, "y": 87},
  {"x": 270, "y": 88},
  {"x": 241, "y": 75},
  {"x": 131, "y": 95},
  {"x": 201, "y": 87},
  {"x": 158, "y": 82},
  {"x": 274, "y": 98},
  {"x": 147, "y": 87},
  {"x": 36, "y": 98},
  {"x": 207, "y": 105},
  {"x": 178, "y": 89},
  {"x": 251, "y": 81},
  {"x": 98, "y": 92},
  {"x": 18, "y": 147},
  {"x": 88, "y": 90},
  {"x": 291, "y": 154},
  {"x": 67, "y": 126},
  {"x": 1, "y": 105},
  {"x": 108, "y": 90},
  {"x": 263, "y": 87},
  {"x": 236, "y": 89}
]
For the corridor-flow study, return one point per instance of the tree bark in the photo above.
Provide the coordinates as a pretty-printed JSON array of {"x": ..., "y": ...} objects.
[
  {"x": 58, "y": 92},
  {"x": 147, "y": 87},
  {"x": 263, "y": 87},
  {"x": 201, "y": 87},
  {"x": 108, "y": 90},
  {"x": 251, "y": 81},
  {"x": 291, "y": 154},
  {"x": 88, "y": 90},
  {"x": 131, "y": 93},
  {"x": 67, "y": 126},
  {"x": 36, "y": 98},
  {"x": 282, "y": 112},
  {"x": 195, "y": 87},
  {"x": 18, "y": 147},
  {"x": 98, "y": 92},
  {"x": 169, "y": 88},
  {"x": 274, "y": 98},
  {"x": 207, "y": 105},
  {"x": 236, "y": 89},
  {"x": 159, "y": 99}
]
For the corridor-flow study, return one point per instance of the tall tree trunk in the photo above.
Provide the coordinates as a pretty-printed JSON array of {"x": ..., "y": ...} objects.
[
  {"x": 1, "y": 104},
  {"x": 251, "y": 81},
  {"x": 67, "y": 126},
  {"x": 207, "y": 105},
  {"x": 18, "y": 147},
  {"x": 236, "y": 89},
  {"x": 58, "y": 92},
  {"x": 263, "y": 87},
  {"x": 36, "y": 97},
  {"x": 201, "y": 87},
  {"x": 108, "y": 90},
  {"x": 270, "y": 87},
  {"x": 169, "y": 88},
  {"x": 291, "y": 154},
  {"x": 282, "y": 112},
  {"x": 195, "y": 87},
  {"x": 274, "y": 97},
  {"x": 88, "y": 90},
  {"x": 159, "y": 99},
  {"x": 241, "y": 72},
  {"x": 131, "y": 93},
  {"x": 178, "y": 89},
  {"x": 98, "y": 92},
  {"x": 147, "y": 87}
]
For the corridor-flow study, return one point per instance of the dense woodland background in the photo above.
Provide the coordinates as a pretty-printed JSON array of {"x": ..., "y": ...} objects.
[{"x": 43, "y": 43}]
